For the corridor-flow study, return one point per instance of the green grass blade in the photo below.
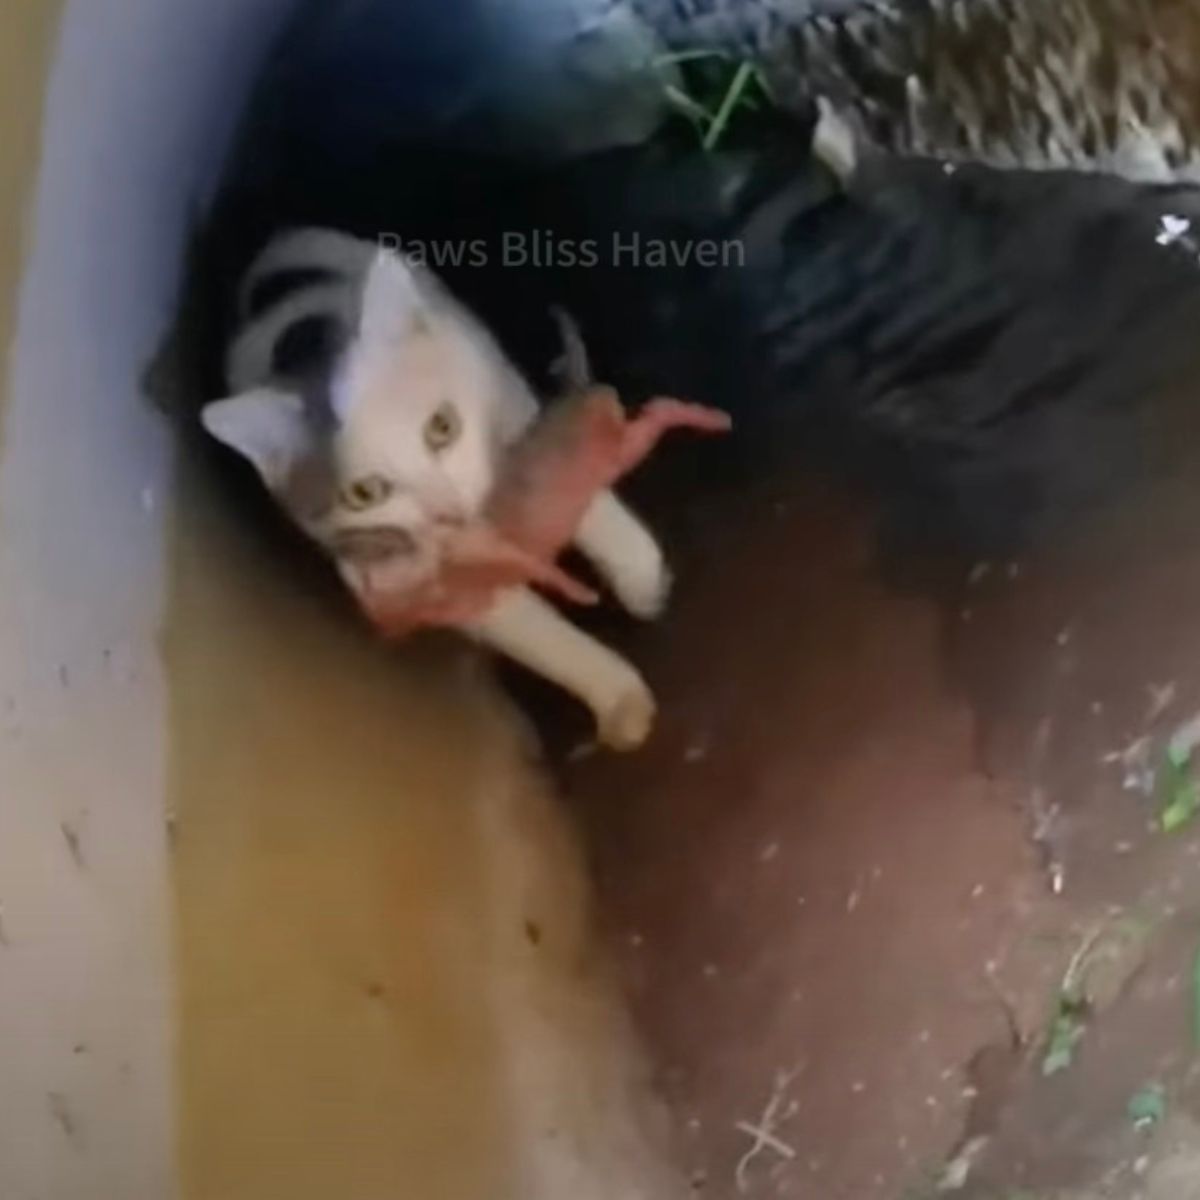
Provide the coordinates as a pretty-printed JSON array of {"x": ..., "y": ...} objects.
[
  {"x": 689, "y": 106},
  {"x": 686, "y": 56},
  {"x": 720, "y": 122}
]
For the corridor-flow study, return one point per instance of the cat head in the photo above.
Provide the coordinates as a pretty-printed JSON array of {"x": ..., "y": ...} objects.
[{"x": 397, "y": 437}]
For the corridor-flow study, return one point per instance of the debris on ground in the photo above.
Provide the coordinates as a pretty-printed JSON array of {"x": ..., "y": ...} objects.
[
  {"x": 1099, "y": 970},
  {"x": 1171, "y": 229},
  {"x": 764, "y": 1131},
  {"x": 957, "y": 1171},
  {"x": 1148, "y": 1106},
  {"x": 1134, "y": 759},
  {"x": 1066, "y": 1032},
  {"x": 1161, "y": 697}
]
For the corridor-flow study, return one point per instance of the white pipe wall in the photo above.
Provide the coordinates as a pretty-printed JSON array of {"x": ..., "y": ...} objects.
[{"x": 140, "y": 101}]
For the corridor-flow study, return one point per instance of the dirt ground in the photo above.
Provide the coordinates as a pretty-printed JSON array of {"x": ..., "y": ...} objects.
[{"x": 890, "y": 891}]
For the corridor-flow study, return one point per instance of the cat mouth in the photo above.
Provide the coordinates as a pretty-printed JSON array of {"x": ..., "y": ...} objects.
[{"x": 367, "y": 547}]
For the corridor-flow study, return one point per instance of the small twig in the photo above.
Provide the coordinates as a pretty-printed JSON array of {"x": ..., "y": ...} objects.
[
  {"x": 1071, "y": 977},
  {"x": 765, "y": 1131},
  {"x": 764, "y": 1139},
  {"x": 1008, "y": 1010}
]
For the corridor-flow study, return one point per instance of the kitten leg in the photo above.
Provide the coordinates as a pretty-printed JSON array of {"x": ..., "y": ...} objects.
[
  {"x": 527, "y": 629},
  {"x": 626, "y": 553}
]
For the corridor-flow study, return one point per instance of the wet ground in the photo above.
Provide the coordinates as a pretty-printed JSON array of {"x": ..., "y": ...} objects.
[{"x": 890, "y": 888}]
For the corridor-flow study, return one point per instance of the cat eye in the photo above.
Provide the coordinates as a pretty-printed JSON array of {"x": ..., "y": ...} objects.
[
  {"x": 443, "y": 428},
  {"x": 368, "y": 492}
]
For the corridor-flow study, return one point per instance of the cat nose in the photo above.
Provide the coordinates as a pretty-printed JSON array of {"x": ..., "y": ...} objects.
[{"x": 374, "y": 545}]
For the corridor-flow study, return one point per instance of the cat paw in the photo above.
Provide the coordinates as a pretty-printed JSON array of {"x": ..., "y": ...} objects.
[
  {"x": 644, "y": 586},
  {"x": 625, "y": 723}
]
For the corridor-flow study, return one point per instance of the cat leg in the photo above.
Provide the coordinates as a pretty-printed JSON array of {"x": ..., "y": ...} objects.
[
  {"x": 529, "y": 630},
  {"x": 626, "y": 554}
]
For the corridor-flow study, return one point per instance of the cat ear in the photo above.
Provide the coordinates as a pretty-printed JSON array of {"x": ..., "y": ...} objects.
[
  {"x": 267, "y": 426},
  {"x": 394, "y": 303}
]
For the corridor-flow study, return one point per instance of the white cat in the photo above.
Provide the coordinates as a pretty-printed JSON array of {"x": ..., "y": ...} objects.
[{"x": 400, "y": 418}]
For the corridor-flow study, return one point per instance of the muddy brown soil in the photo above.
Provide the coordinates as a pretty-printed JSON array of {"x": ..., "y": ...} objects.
[{"x": 878, "y": 829}]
